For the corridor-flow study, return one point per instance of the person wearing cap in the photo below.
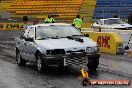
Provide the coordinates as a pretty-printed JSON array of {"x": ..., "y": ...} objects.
[
  {"x": 49, "y": 19},
  {"x": 77, "y": 22}
]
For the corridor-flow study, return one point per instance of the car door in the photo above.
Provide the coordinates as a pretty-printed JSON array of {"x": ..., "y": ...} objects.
[
  {"x": 20, "y": 44},
  {"x": 24, "y": 54},
  {"x": 30, "y": 46}
]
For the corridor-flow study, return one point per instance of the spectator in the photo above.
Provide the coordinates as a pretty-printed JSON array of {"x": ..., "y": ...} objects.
[
  {"x": 49, "y": 19},
  {"x": 116, "y": 16},
  {"x": 130, "y": 19},
  {"x": 77, "y": 22},
  {"x": 25, "y": 21}
]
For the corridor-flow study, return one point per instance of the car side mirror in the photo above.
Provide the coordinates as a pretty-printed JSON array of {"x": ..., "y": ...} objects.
[{"x": 29, "y": 39}]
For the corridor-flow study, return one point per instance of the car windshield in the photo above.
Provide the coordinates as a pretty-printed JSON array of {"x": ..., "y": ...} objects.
[
  {"x": 113, "y": 21},
  {"x": 43, "y": 32}
]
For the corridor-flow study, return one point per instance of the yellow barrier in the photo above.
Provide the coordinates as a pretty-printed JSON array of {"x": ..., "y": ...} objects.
[
  {"x": 11, "y": 26},
  {"x": 107, "y": 41},
  {"x": 19, "y": 25}
]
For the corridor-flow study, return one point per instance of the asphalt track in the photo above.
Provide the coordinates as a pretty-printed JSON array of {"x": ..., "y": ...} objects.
[{"x": 12, "y": 76}]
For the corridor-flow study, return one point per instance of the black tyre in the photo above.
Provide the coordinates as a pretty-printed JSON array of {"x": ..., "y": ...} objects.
[
  {"x": 40, "y": 63},
  {"x": 93, "y": 65},
  {"x": 20, "y": 61}
]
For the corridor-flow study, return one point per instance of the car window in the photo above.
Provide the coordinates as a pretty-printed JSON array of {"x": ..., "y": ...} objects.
[
  {"x": 100, "y": 22},
  {"x": 29, "y": 32},
  {"x": 26, "y": 33},
  {"x": 113, "y": 21},
  {"x": 56, "y": 31}
]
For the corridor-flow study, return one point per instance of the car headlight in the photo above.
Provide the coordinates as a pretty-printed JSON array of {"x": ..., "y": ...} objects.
[
  {"x": 96, "y": 49},
  {"x": 89, "y": 50},
  {"x": 92, "y": 49}
]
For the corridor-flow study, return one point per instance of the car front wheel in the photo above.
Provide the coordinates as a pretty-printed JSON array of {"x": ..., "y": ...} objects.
[
  {"x": 93, "y": 63},
  {"x": 20, "y": 60},
  {"x": 41, "y": 65},
  {"x": 93, "y": 66}
]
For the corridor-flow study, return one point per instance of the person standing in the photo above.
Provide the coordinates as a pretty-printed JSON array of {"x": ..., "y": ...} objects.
[
  {"x": 77, "y": 22},
  {"x": 49, "y": 19},
  {"x": 25, "y": 22},
  {"x": 116, "y": 16},
  {"x": 130, "y": 19}
]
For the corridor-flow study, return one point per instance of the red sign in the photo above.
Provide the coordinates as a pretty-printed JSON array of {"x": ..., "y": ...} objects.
[{"x": 103, "y": 41}]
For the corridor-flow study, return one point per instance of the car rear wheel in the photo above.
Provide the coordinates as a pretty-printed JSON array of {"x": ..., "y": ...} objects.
[
  {"x": 20, "y": 60},
  {"x": 41, "y": 65}
]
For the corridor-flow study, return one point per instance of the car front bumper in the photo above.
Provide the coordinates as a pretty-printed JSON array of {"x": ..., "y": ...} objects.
[{"x": 71, "y": 59}]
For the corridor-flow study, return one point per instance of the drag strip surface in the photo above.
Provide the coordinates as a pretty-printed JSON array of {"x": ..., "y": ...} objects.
[{"x": 13, "y": 76}]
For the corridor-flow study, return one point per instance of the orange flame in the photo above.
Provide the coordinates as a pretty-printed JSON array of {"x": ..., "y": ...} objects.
[{"x": 84, "y": 73}]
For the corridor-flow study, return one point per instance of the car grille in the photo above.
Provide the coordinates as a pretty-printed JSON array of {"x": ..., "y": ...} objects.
[
  {"x": 76, "y": 59},
  {"x": 69, "y": 51},
  {"x": 56, "y": 52}
]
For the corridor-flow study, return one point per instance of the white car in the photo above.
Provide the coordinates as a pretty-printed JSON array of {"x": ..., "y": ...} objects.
[
  {"x": 111, "y": 23},
  {"x": 56, "y": 44}
]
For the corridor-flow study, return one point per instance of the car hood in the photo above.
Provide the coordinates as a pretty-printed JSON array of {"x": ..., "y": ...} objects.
[{"x": 65, "y": 43}]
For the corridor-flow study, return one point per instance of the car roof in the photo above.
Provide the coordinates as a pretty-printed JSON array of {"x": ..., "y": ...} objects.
[{"x": 49, "y": 24}]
